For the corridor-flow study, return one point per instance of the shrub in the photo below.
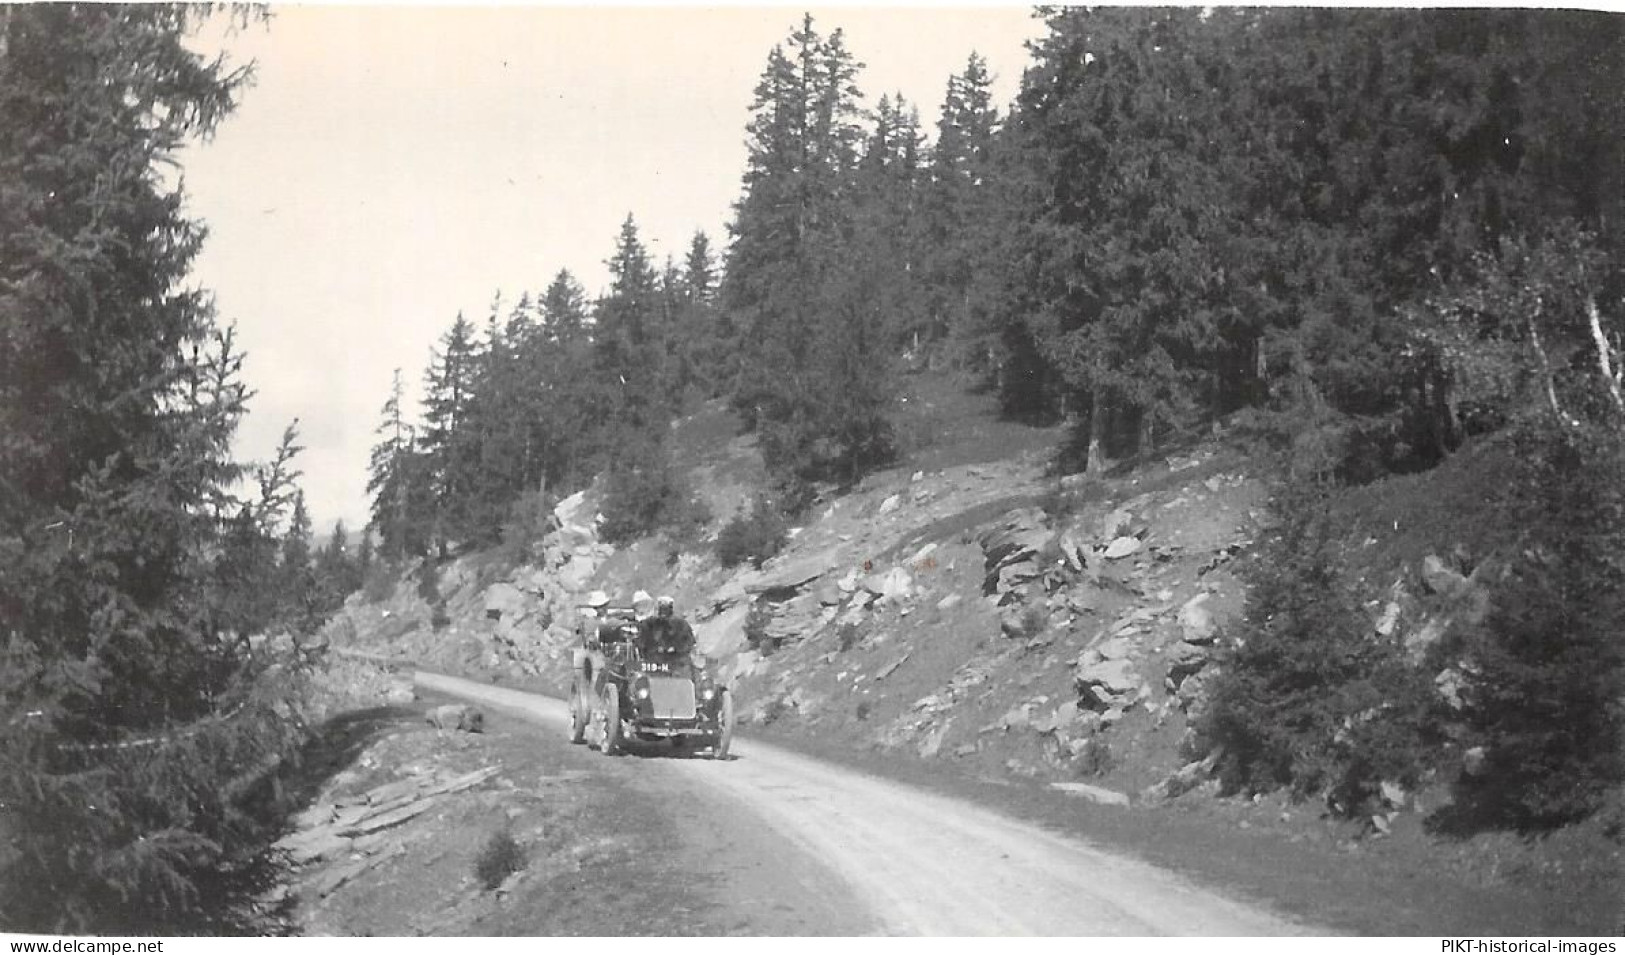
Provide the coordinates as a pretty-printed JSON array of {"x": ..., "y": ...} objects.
[
  {"x": 529, "y": 520},
  {"x": 379, "y": 584},
  {"x": 1307, "y": 698},
  {"x": 644, "y": 497},
  {"x": 501, "y": 857},
  {"x": 1544, "y": 692},
  {"x": 1095, "y": 758},
  {"x": 754, "y": 536},
  {"x": 756, "y": 621}
]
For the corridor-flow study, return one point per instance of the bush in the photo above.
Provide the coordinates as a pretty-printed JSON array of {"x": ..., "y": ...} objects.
[
  {"x": 1095, "y": 758},
  {"x": 1547, "y": 670},
  {"x": 529, "y": 520},
  {"x": 1307, "y": 698},
  {"x": 643, "y": 497},
  {"x": 754, "y": 536},
  {"x": 379, "y": 584},
  {"x": 500, "y": 858},
  {"x": 756, "y": 621}
]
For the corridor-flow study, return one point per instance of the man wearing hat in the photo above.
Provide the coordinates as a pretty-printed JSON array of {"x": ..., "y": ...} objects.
[{"x": 665, "y": 635}]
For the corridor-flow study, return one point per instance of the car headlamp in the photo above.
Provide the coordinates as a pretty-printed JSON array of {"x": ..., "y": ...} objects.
[
  {"x": 708, "y": 693},
  {"x": 643, "y": 693}
]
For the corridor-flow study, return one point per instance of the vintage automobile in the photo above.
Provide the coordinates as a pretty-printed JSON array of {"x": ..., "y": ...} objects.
[{"x": 617, "y": 694}]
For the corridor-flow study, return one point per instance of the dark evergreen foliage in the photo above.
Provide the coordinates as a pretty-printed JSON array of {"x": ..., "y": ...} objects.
[
  {"x": 1306, "y": 696},
  {"x": 135, "y": 712}
]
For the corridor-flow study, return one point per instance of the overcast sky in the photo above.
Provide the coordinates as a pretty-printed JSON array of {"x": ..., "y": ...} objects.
[{"x": 392, "y": 166}]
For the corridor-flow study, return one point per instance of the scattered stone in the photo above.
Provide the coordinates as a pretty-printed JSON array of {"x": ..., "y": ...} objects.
[
  {"x": 1115, "y": 677},
  {"x": 1475, "y": 761},
  {"x": 1185, "y": 660},
  {"x": 1184, "y": 779},
  {"x": 1117, "y": 648},
  {"x": 1098, "y": 794},
  {"x": 1389, "y": 619},
  {"x": 1440, "y": 579},
  {"x": 890, "y": 668},
  {"x": 1196, "y": 623},
  {"x": 1418, "y": 641},
  {"x": 1114, "y": 524},
  {"x": 949, "y": 602},
  {"x": 1122, "y": 547},
  {"x": 400, "y": 693},
  {"x": 890, "y": 504},
  {"x": 1450, "y": 684},
  {"x": 504, "y": 601},
  {"x": 457, "y": 716}
]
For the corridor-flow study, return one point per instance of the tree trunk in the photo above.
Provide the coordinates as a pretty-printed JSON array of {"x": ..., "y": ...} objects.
[{"x": 1097, "y": 430}]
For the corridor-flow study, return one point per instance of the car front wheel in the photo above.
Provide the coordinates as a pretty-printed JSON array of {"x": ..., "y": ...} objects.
[{"x": 610, "y": 742}]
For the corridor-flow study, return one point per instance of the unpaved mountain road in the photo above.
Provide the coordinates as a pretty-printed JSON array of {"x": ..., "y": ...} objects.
[{"x": 927, "y": 864}]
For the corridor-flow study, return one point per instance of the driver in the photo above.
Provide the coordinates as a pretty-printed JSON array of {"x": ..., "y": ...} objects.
[{"x": 665, "y": 634}]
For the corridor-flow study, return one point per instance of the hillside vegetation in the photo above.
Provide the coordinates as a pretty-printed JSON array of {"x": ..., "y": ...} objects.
[
  {"x": 1239, "y": 413},
  {"x": 984, "y": 619}
]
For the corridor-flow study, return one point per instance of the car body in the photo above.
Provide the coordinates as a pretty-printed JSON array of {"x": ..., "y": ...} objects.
[{"x": 618, "y": 695}]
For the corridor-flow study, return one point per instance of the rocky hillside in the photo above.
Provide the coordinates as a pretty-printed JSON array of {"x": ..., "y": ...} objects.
[
  {"x": 974, "y": 611},
  {"x": 963, "y": 607}
]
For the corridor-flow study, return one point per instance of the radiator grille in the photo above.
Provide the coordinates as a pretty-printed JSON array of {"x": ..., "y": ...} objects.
[{"x": 672, "y": 698}]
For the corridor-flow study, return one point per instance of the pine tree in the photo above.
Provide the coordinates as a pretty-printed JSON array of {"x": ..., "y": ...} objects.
[
  {"x": 299, "y": 601},
  {"x": 450, "y": 441},
  {"x": 131, "y": 720},
  {"x": 813, "y": 349},
  {"x": 963, "y": 220},
  {"x": 397, "y": 482}
]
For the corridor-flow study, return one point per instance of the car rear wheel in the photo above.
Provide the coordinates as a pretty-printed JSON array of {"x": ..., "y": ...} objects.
[
  {"x": 610, "y": 742},
  {"x": 578, "y": 719},
  {"x": 725, "y": 727}
]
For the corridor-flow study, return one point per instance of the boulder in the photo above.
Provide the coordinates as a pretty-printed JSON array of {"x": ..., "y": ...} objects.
[
  {"x": 1389, "y": 620},
  {"x": 1114, "y": 524},
  {"x": 723, "y": 633},
  {"x": 896, "y": 584},
  {"x": 504, "y": 600},
  {"x": 1013, "y": 575},
  {"x": 400, "y": 693},
  {"x": 1185, "y": 660},
  {"x": 1440, "y": 579},
  {"x": 1115, "y": 677},
  {"x": 1012, "y": 621},
  {"x": 568, "y": 511},
  {"x": 890, "y": 504},
  {"x": 457, "y": 716},
  {"x": 1097, "y": 794},
  {"x": 577, "y": 570},
  {"x": 1122, "y": 547},
  {"x": 1196, "y": 624},
  {"x": 1073, "y": 551},
  {"x": 1117, "y": 648},
  {"x": 1020, "y": 534},
  {"x": 1419, "y": 640}
]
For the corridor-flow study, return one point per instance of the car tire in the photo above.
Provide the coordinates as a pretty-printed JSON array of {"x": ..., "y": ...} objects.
[
  {"x": 610, "y": 743},
  {"x": 578, "y": 719},
  {"x": 725, "y": 727}
]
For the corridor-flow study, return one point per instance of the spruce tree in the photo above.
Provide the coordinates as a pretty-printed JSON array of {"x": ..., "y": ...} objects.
[{"x": 131, "y": 720}]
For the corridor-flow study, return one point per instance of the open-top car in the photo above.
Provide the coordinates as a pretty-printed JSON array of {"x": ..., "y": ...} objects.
[{"x": 618, "y": 693}]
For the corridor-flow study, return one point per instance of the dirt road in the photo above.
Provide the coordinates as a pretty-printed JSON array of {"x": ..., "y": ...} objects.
[{"x": 930, "y": 865}]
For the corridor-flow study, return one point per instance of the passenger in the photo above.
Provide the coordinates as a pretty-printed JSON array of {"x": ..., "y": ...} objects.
[{"x": 665, "y": 635}]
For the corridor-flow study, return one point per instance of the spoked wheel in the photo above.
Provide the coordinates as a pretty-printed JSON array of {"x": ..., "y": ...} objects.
[
  {"x": 725, "y": 729},
  {"x": 609, "y": 742},
  {"x": 578, "y": 719}
]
